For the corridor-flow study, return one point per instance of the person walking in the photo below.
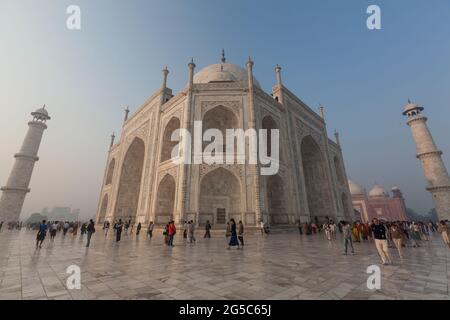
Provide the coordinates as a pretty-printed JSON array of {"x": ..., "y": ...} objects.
[
  {"x": 186, "y": 229},
  {"x": 379, "y": 234},
  {"x": 53, "y": 229},
  {"x": 1, "y": 225},
  {"x": 115, "y": 227},
  {"x": 241, "y": 233},
  {"x": 397, "y": 235},
  {"x": 415, "y": 234},
  {"x": 347, "y": 234},
  {"x": 228, "y": 232},
  {"x": 233, "y": 239},
  {"x": 118, "y": 229},
  {"x": 327, "y": 229},
  {"x": 150, "y": 230},
  {"x": 90, "y": 231},
  {"x": 191, "y": 230},
  {"x": 106, "y": 227},
  {"x": 166, "y": 233},
  {"x": 332, "y": 226},
  {"x": 41, "y": 234},
  {"x": 66, "y": 228},
  {"x": 127, "y": 225},
  {"x": 443, "y": 230},
  {"x": 172, "y": 232},
  {"x": 138, "y": 229},
  {"x": 300, "y": 227},
  {"x": 207, "y": 230},
  {"x": 261, "y": 225},
  {"x": 75, "y": 229}
]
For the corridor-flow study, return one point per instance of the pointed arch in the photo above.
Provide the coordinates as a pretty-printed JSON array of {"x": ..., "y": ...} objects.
[
  {"x": 103, "y": 209},
  {"x": 268, "y": 123},
  {"x": 110, "y": 173},
  {"x": 345, "y": 207},
  {"x": 220, "y": 197},
  {"x": 338, "y": 170},
  {"x": 318, "y": 192},
  {"x": 276, "y": 202},
  {"x": 165, "y": 200},
  {"x": 130, "y": 181},
  {"x": 220, "y": 118},
  {"x": 167, "y": 144}
]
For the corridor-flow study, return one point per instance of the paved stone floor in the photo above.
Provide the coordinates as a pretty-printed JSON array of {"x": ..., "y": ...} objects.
[{"x": 279, "y": 266}]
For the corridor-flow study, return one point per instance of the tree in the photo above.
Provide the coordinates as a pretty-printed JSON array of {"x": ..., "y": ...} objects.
[{"x": 35, "y": 218}]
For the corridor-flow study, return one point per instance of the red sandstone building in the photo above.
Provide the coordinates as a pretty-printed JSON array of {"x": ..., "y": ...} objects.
[{"x": 378, "y": 204}]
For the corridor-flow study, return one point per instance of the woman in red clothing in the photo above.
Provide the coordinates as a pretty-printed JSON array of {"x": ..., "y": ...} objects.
[{"x": 172, "y": 231}]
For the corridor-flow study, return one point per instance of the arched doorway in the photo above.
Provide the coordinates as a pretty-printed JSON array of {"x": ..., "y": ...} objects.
[
  {"x": 275, "y": 200},
  {"x": 345, "y": 207},
  {"x": 338, "y": 169},
  {"x": 220, "y": 118},
  {"x": 130, "y": 181},
  {"x": 220, "y": 197},
  {"x": 110, "y": 173},
  {"x": 269, "y": 124},
  {"x": 168, "y": 145},
  {"x": 317, "y": 187},
  {"x": 103, "y": 208},
  {"x": 165, "y": 201}
]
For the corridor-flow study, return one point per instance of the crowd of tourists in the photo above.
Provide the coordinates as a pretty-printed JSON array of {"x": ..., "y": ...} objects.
[
  {"x": 384, "y": 234},
  {"x": 12, "y": 225},
  {"x": 234, "y": 233},
  {"x": 63, "y": 227}
]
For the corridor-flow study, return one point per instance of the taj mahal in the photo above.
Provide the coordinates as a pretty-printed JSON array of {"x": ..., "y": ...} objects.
[{"x": 142, "y": 183}]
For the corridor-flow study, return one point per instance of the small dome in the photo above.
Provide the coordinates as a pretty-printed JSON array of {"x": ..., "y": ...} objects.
[
  {"x": 41, "y": 113},
  {"x": 356, "y": 189},
  {"x": 223, "y": 72},
  {"x": 378, "y": 192},
  {"x": 411, "y": 106}
]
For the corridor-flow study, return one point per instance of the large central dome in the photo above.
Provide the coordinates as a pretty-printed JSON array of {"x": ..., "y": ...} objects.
[{"x": 223, "y": 72}]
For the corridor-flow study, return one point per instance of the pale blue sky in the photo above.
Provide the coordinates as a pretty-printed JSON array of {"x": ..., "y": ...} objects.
[{"x": 86, "y": 77}]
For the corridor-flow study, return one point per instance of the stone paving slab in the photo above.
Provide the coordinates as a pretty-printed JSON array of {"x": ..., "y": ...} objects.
[{"x": 278, "y": 266}]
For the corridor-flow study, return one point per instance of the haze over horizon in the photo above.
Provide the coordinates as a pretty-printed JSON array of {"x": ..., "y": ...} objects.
[{"x": 86, "y": 78}]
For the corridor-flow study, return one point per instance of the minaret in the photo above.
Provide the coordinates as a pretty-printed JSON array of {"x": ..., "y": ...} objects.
[
  {"x": 127, "y": 112},
  {"x": 254, "y": 169},
  {"x": 186, "y": 148},
  {"x": 279, "y": 85},
  {"x": 430, "y": 156},
  {"x": 113, "y": 136},
  {"x": 16, "y": 188},
  {"x": 336, "y": 137}
]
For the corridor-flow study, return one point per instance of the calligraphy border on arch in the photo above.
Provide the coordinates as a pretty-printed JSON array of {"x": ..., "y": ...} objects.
[
  {"x": 237, "y": 169},
  {"x": 234, "y": 105}
]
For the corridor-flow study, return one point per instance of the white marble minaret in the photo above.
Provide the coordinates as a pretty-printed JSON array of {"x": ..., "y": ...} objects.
[
  {"x": 427, "y": 152},
  {"x": 16, "y": 188}
]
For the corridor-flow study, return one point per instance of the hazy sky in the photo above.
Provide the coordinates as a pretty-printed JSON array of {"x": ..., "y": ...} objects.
[{"x": 86, "y": 77}]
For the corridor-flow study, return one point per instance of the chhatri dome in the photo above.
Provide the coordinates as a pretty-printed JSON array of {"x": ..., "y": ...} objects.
[
  {"x": 223, "y": 72},
  {"x": 411, "y": 106},
  {"x": 41, "y": 114},
  {"x": 378, "y": 192},
  {"x": 355, "y": 188}
]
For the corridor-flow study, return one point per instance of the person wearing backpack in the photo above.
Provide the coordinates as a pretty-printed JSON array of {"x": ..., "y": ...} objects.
[{"x": 90, "y": 230}]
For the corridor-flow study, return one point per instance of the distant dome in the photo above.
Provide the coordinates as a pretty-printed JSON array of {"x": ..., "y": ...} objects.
[
  {"x": 229, "y": 73},
  {"x": 378, "y": 192},
  {"x": 356, "y": 189}
]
